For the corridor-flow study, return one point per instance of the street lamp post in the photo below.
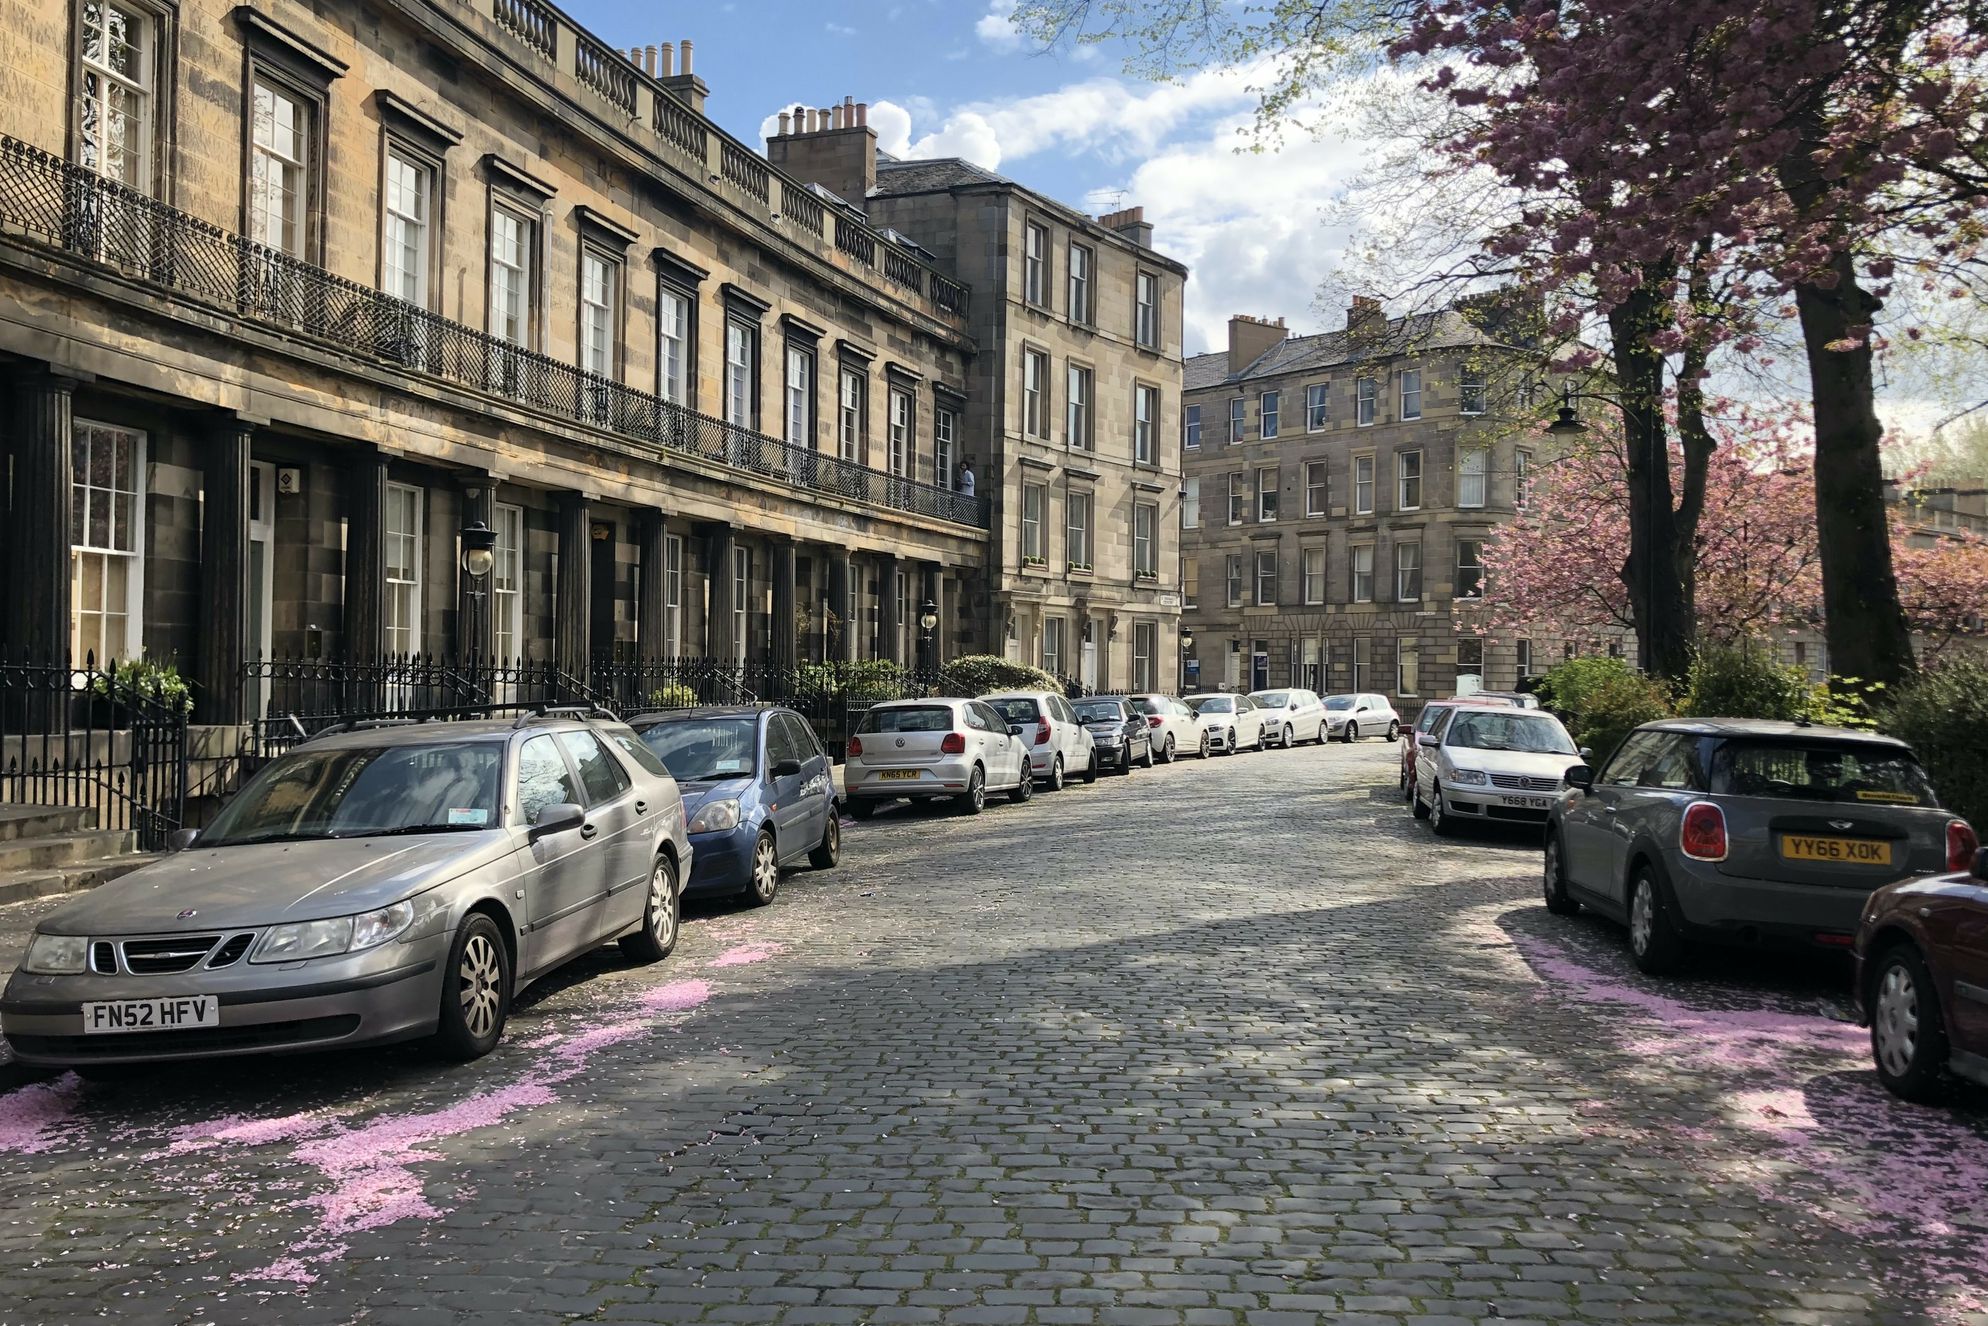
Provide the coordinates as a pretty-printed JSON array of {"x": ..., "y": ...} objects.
[
  {"x": 928, "y": 626},
  {"x": 1186, "y": 648},
  {"x": 1568, "y": 424},
  {"x": 479, "y": 557}
]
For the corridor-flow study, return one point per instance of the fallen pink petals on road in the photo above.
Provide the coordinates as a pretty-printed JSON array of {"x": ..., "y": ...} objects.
[
  {"x": 745, "y": 954},
  {"x": 40, "y": 1116}
]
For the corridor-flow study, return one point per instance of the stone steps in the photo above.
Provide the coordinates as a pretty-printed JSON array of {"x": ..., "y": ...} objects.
[
  {"x": 40, "y": 882},
  {"x": 55, "y": 850},
  {"x": 45, "y": 850},
  {"x": 24, "y": 821}
]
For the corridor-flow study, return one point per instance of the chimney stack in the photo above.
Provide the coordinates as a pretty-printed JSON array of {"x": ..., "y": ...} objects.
[
  {"x": 1250, "y": 338},
  {"x": 832, "y": 146},
  {"x": 685, "y": 86},
  {"x": 1130, "y": 222},
  {"x": 1363, "y": 309}
]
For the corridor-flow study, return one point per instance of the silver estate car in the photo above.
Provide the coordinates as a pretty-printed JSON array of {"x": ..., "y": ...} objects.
[
  {"x": 373, "y": 884},
  {"x": 1744, "y": 831}
]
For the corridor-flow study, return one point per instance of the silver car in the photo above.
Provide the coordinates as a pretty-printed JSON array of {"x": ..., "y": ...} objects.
[
  {"x": 1291, "y": 716},
  {"x": 938, "y": 749},
  {"x": 1059, "y": 746},
  {"x": 1484, "y": 764},
  {"x": 375, "y": 884},
  {"x": 1351, "y": 717}
]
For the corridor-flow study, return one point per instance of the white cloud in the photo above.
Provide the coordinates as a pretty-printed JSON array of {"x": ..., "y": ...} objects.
[
  {"x": 997, "y": 26},
  {"x": 840, "y": 29}
]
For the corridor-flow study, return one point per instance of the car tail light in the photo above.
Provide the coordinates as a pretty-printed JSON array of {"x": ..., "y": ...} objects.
[
  {"x": 1702, "y": 837},
  {"x": 1962, "y": 844},
  {"x": 855, "y": 746},
  {"x": 1152, "y": 720},
  {"x": 1042, "y": 732},
  {"x": 1834, "y": 938},
  {"x": 954, "y": 744}
]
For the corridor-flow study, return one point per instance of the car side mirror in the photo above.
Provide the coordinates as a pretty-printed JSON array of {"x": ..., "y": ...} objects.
[
  {"x": 1580, "y": 776},
  {"x": 182, "y": 839},
  {"x": 786, "y": 768},
  {"x": 1014, "y": 729},
  {"x": 1587, "y": 752},
  {"x": 1425, "y": 741},
  {"x": 1980, "y": 870},
  {"x": 557, "y": 817}
]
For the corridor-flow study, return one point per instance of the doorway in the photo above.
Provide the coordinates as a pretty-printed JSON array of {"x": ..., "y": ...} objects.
[
  {"x": 600, "y": 575},
  {"x": 261, "y": 578}
]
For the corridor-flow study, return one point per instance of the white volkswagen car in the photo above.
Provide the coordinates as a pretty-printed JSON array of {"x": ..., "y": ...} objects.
[
  {"x": 1059, "y": 746},
  {"x": 1350, "y": 717},
  {"x": 1484, "y": 764},
  {"x": 1226, "y": 723},
  {"x": 956, "y": 750},
  {"x": 1291, "y": 716}
]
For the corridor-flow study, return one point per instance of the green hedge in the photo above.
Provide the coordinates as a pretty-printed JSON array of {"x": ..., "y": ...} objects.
[
  {"x": 982, "y": 674},
  {"x": 1943, "y": 715}
]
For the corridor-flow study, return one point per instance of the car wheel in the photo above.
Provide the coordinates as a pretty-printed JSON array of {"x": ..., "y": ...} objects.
[
  {"x": 1908, "y": 1037},
  {"x": 1415, "y": 800},
  {"x": 1352, "y": 733},
  {"x": 1229, "y": 743},
  {"x": 1150, "y": 757},
  {"x": 1439, "y": 819},
  {"x": 1166, "y": 750},
  {"x": 1204, "y": 745},
  {"x": 660, "y": 917},
  {"x": 1393, "y": 731},
  {"x": 1124, "y": 765},
  {"x": 1091, "y": 770},
  {"x": 861, "y": 808},
  {"x": 1322, "y": 734},
  {"x": 476, "y": 994},
  {"x": 974, "y": 799},
  {"x": 765, "y": 879},
  {"x": 1653, "y": 939},
  {"x": 1555, "y": 880},
  {"x": 1056, "y": 774},
  {"x": 829, "y": 850},
  {"x": 1026, "y": 787}
]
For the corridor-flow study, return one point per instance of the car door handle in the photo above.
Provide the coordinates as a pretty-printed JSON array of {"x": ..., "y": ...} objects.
[
  {"x": 1607, "y": 809},
  {"x": 588, "y": 830},
  {"x": 641, "y": 808}
]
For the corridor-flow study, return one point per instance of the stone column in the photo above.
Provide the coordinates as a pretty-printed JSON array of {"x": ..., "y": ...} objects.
[
  {"x": 38, "y": 536},
  {"x": 476, "y": 604},
  {"x": 366, "y": 559},
  {"x": 887, "y": 621},
  {"x": 785, "y": 653},
  {"x": 718, "y": 625},
  {"x": 572, "y": 645},
  {"x": 224, "y": 570},
  {"x": 649, "y": 606},
  {"x": 842, "y": 599}
]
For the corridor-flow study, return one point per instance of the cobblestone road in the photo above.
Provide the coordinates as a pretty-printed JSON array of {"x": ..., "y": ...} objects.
[{"x": 1234, "y": 1043}]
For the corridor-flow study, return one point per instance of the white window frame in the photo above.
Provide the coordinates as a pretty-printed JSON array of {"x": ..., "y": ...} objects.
[
  {"x": 741, "y": 388},
  {"x": 1077, "y": 529},
  {"x": 798, "y": 391},
  {"x": 402, "y": 593},
  {"x": 507, "y": 584},
  {"x": 1035, "y": 388},
  {"x": 1233, "y": 570},
  {"x": 1190, "y": 502},
  {"x": 1238, "y": 498},
  {"x": 1473, "y": 476},
  {"x": 1523, "y": 650},
  {"x": 1190, "y": 428},
  {"x": 1052, "y": 645},
  {"x": 945, "y": 446},
  {"x": 1366, "y": 399},
  {"x": 1411, "y": 394},
  {"x": 1190, "y": 583},
  {"x": 1145, "y": 540},
  {"x": 129, "y": 551},
  {"x": 1146, "y": 310},
  {"x": 1081, "y": 262},
  {"x": 1408, "y": 571},
  {"x": 1145, "y": 424},
  {"x": 1403, "y": 492},
  {"x": 513, "y": 246},
  {"x": 1522, "y": 483},
  {"x": 1237, "y": 411},
  {"x": 1318, "y": 487},
  {"x": 1318, "y": 406},
  {"x": 100, "y": 84},
  {"x": 1363, "y": 484},
  {"x": 407, "y": 207},
  {"x": 741, "y": 600},
  {"x": 1265, "y": 575},
  {"x": 600, "y": 286},
  {"x": 851, "y": 398},
  {"x": 1035, "y": 264},
  {"x": 1476, "y": 548},
  {"x": 673, "y": 595},
  {"x": 672, "y": 345},
  {"x": 1360, "y": 563},
  {"x": 1269, "y": 412},
  {"x": 1267, "y": 481},
  {"x": 1363, "y": 661},
  {"x": 1035, "y": 510},
  {"x": 279, "y": 170},
  {"x": 1077, "y": 413},
  {"x": 1145, "y": 655},
  {"x": 1312, "y": 574},
  {"x": 1407, "y": 666},
  {"x": 901, "y": 433},
  {"x": 1473, "y": 392}
]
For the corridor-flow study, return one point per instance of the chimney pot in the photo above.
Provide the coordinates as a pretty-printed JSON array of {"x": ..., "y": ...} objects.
[
  {"x": 786, "y": 123},
  {"x": 840, "y": 123},
  {"x": 686, "y": 58},
  {"x": 649, "y": 58},
  {"x": 862, "y": 114},
  {"x": 666, "y": 54}
]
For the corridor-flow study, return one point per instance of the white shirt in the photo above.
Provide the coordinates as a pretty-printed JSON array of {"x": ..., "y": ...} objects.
[{"x": 966, "y": 480}]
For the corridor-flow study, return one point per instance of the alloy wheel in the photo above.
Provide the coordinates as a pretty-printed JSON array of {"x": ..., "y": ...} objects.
[
  {"x": 1352, "y": 733},
  {"x": 1642, "y": 918},
  {"x": 479, "y": 984},
  {"x": 662, "y": 908},
  {"x": 1895, "y": 1020},
  {"x": 1056, "y": 774},
  {"x": 765, "y": 870}
]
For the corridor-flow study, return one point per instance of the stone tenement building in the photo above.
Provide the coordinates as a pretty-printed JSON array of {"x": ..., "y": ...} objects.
[
  {"x": 290, "y": 293},
  {"x": 1339, "y": 489},
  {"x": 1075, "y": 394}
]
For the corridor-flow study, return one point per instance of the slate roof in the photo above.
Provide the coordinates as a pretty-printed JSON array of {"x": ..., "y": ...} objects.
[
  {"x": 924, "y": 176},
  {"x": 1447, "y": 329}
]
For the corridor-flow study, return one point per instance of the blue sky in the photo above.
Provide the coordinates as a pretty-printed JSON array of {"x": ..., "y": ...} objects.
[{"x": 951, "y": 78}]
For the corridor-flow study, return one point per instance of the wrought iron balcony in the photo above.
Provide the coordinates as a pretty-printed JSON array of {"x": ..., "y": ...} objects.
[{"x": 80, "y": 212}]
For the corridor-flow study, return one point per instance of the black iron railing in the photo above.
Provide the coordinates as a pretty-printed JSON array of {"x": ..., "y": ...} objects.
[
  {"x": 98, "y": 739},
  {"x": 83, "y": 213}
]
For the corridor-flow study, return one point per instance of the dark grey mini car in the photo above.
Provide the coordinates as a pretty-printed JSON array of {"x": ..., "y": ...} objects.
[{"x": 1740, "y": 831}]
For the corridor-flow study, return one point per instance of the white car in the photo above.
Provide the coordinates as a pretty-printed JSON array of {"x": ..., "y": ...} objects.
[
  {"x": 1225, "y": 722},
  {"x": 1350, "y": 717},
  {"x": 1175, "y": 730},
  {"x": 958, "y": 750},
  {"x": 1482, "y": 763},
  {"x": 1291, "y": 716},
  {"x": 1059, "y": 746}
]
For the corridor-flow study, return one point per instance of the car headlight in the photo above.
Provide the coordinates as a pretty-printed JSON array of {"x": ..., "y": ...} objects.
[
  {"x": 716, "y": 816},
  {"x": 378, "y": 927},
  {"x": 304, "y": 939},
  {"x": 1472, "y": 777},
  {"x": 56, "y": 955}
]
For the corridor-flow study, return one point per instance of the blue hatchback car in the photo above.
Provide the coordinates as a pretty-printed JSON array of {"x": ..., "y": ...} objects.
[{"x": 758, "y": 794}]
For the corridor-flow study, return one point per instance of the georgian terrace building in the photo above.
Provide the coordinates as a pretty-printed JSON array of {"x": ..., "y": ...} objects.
[
  {"x": 289, "y": 293},
  {"x": 1339, "y": 489}
]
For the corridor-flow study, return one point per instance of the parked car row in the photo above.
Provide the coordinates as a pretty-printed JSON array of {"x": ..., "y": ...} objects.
[{"x": 1715, "y": 833}]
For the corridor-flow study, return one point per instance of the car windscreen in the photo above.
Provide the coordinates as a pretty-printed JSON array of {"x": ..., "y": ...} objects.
[
  {"x": 363, "y": 792},
  {"x": 1514, "y": 730},
  {"x": 1339, "y": 702},
  {"x": 1146, "y": 706},
  {"x": 1821, "y": 771},
  {"x": 908, "y": 718},
  {"x": 1272, "y": 699},
  {"x": 1213, "y": 704},
  {"x": 1017, "y": 711},
  {"x": 705, "y": 748},
  {"x": 1099, "y": 711}
]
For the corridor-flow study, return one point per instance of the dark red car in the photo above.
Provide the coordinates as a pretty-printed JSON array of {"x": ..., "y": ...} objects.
[{"x": 1922, "y": 979}]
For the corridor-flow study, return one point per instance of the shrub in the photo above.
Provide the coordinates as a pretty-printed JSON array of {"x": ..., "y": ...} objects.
[
  {"x": 982, "y": 674},
  {"x": 1943, "y": 715},
  {"x": 143, "y": 679},
  {"x": 1744, "y": 681},
  {"x": 676, "y": 695},
  {"x": 1613, "y": 707},
  {"x": 1566, "y": 687}
]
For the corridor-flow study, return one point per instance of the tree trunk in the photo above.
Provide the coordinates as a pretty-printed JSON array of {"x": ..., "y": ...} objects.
[
  {"x": 1864, "y": 622},
  {"x": 1658, "y": 600}
]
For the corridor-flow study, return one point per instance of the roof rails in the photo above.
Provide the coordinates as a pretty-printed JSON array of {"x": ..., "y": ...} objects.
[{"x": 583, "y": 712}]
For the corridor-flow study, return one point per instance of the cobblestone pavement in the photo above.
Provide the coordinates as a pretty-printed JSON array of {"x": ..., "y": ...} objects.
[{"x": 1226, "y": 1043}]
